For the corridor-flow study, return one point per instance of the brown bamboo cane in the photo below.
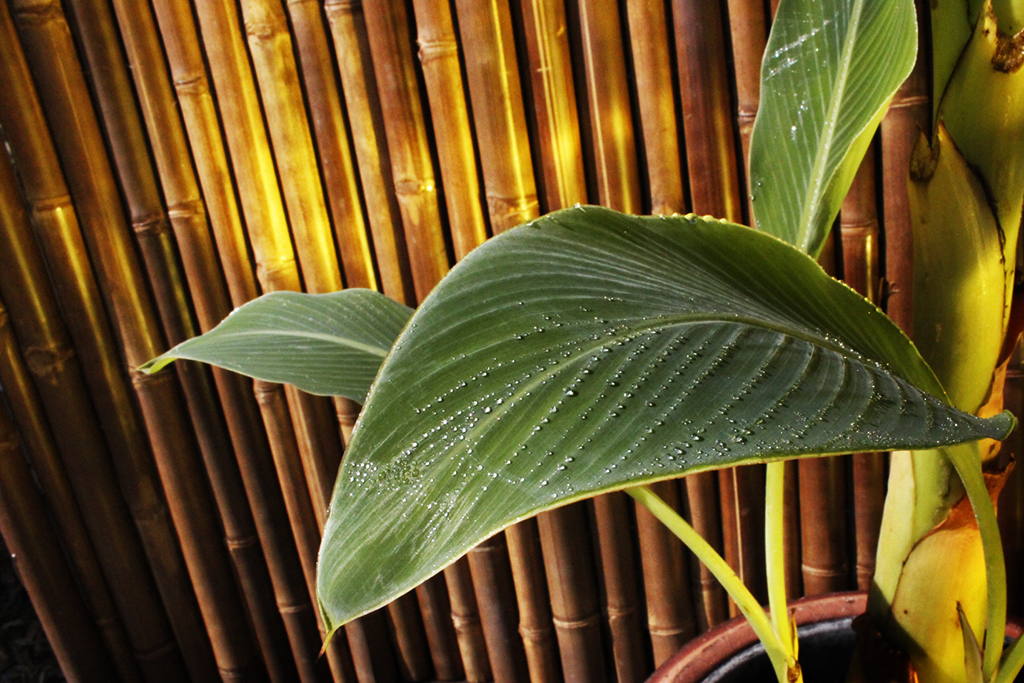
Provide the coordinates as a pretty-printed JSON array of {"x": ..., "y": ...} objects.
[
  {"x": 436, "y": 608},
  {"x": 650, "y": 40},
  {"x": 822, "y": 485},
  {"x": 714, "y": 189},
  {"x": 498, "y": 116},
  {"x": 549, "y": 56},
  {"x": 95, "y": 25},
  {"x": 438, "y": 54},
  {"x": 535, "y": 625},
  {"x": 210, "y": 294},
  {"x": 270, "y": 45},
  {"x": 748, "y": 29},
  {"x": 263, "y": 210},
  {"x": 564, "y": 532},
  {"x": 572, "y": 583},
  {"x": 669, "y": 605},
  {"x": 702, "y": 510},
  {"x": 670, "y": 615},
  {"x": 858, "y": 225},
  {"x": 618, "y": 187},
  {"x": 466, "y": 617},
  {"x": 500, "y": 124},
  {"x": 40, "y": 563},
  {"x": 359, "y": 84},
  {"x": 489, "y": 566},
  {"x": 80, "y": 144},
  {"x": 456, "y": 152},
  {"x": 57, "y": 231},
  {"x": 411, "y": 165},
  {"x": 908, "y": 116},
  {"x": 339, "y": 173},
  {"x": 58, "y": 376}
]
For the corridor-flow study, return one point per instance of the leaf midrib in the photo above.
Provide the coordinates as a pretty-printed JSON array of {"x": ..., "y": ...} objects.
[
  {"x": 812, "y": 198},
  {"x": 321, "y": 336}
]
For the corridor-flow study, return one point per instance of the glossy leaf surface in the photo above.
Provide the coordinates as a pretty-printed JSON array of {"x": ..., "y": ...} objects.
[
  {"x": 589, "y": 351},
  {"x": 829, "y": 71},
  {"x": 328, "y": 344}
]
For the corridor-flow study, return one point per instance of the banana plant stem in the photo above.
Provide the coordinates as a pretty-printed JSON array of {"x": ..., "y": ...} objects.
[
  {"x": 775, "y": 552},
  {"x": 732, "y": 583}
]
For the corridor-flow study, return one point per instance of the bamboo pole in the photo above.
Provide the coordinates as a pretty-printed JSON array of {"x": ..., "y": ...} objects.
[
  {"x": 456, "y": 153},
  {"x": 80, "y": 144},
  {"x": 535, "y": 624},
  {"x": 57, "y": 231},
  {"x": 572, "y": 583},
  {"x": 558, "y": 128},
  {"x": 58, "y": 378},
  {"x": 339, "y": 174},
  {"x": 411, "y": 165},
  {"x": 824, "y": 563},
  {"x": 618, "y": 187},
  {"x": 466, "y": 617},
  {"x": 498, "y": 116},
  {"x": 669, "y": 605},
  {"x": 650, "y": 39},
  {"x": 489, "y": 566},
  {"x": 40, "y": 563},
  {"x": 359, "y": 84},
  {"x": 564, "y": 532},
  {"x": 908, "y": 116},
  {"x": 714, "y": 188},
  {"x": 271, "y": 47},
  {"x": 748, "y": 28},
  {"x": 210, "y": 294},
  {"x": 702, "y": 510},
  {"x": 95, "y": 24},
  {"x": 670, "y": 615},
  {"x": 264, "y": 212},
  {"x": 436, "y": 608},
  {"x": 858, "y": 225}
]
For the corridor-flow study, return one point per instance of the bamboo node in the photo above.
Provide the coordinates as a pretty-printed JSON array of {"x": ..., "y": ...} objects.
[
  {"x": 155, "y": 226},
  {"x": 294, "y": 609},
  {"x": 534, "y": 634},
  {"x": 431, "y": 50},
  {"x": 268, "y": 272},
  {"x": 511, "y": 211},
  {"x": 46, "y": 362},
  {"x": 156, "y": 653},
  {"x": 37, "y": 12},
  {"x": 463, "y": 622},
  {"x": 343, "y": 6},
  {"x": 267, "y": 393},
  {"x": 142, "y": 380},
  {"x": 189, "y": 208},
  {"x": 48, "y": 204},
  {"x": 823, "y": 572},
  {"x": 410, "y": 189},
  {"x": 577, "y": 624},
  {"x": 909, "y": 101},
  {"x": 670, "y": 631},
  {"x": 263, "y": 29},
  {"x": 193, "y": 85},
  {"x": 242, "y": 543}
]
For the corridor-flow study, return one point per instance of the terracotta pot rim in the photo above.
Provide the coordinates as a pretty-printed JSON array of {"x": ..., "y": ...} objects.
[{"x": 700, "y": 656}]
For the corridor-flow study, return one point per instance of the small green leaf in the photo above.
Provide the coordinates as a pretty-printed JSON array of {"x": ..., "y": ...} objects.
[
  {"x": 829, "y": 71},
  {"x": 328, "y": 344},
  {"x": 590, "y": 351}
]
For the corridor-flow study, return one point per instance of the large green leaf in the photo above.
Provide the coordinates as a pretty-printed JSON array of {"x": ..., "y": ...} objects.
[
  {"x": 829, "y": 71},
  {"x": 329, "y": 344},
  {"x": 588, "y": 351}
]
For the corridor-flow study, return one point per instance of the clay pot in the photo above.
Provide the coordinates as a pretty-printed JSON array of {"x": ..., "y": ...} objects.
[{"x": 729, "y": 652}]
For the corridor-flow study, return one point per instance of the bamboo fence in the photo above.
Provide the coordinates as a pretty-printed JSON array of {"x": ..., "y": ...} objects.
[{"x": 164, "y": 162}]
